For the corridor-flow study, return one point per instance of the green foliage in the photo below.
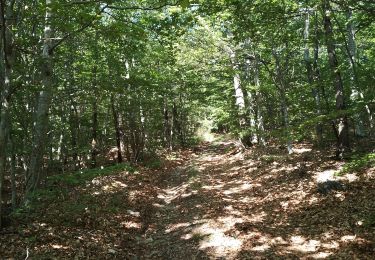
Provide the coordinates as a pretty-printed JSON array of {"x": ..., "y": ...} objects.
[
  {"x": 154, "y": 164},
  {"x": 369, "y": 221},
  {"x": 80, "y": 177},
  {"x": 358, "y": 163}
]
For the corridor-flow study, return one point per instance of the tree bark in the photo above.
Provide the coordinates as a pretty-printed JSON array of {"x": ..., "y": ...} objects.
[
  {"x": 44, "y": 100},
  {"x": 118, "y": 132},
  {"x": 310, "y": 77},
  {"x": 356, "y": 94},
  {"x": 74, "y": 128},
  {"x": 283, "y": 100},
  {"x": 13, "y": 159},
  {"x": 258, "y": 100},
  {"x": 7, "y": 21},
  {"x": 342, "y": 120},
  {"x": 94, "y": 141}
]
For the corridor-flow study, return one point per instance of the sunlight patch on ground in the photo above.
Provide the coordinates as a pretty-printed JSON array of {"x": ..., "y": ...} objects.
[
  {"x": 348, "y": 238},
  {"x": 282, "y": 169},
  {"x": 175, "y": 227},
  {"x": 168, "y": 195},
  {"x": 258, "y": 217},
  {"x": 234, "y": 190},
  {"x": 324, "y": 176},
  {"x": 213, "y": 187},
  {"x": 213, "y": 237},
  {"x": 59, "y": 247},
  {"x": 131, "y": 224},
  {"x": 261, "y": 248},
  {"x": 220, "y": 242},
  {"x": 321, "y": 255},
  {"x": 114, "y": 186},
  {"x": 351, "y": 177},
  {"x": 299, "y": 243},
  {"x": 302, "y": 150},
  {"x": 133, "y": 213}
]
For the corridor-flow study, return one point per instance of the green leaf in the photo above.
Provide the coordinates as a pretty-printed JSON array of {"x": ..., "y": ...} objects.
[{"x": 185, "y": 4}]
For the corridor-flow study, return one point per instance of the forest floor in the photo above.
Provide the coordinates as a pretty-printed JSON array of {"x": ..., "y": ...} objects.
[{"x": 210, "y": 202}]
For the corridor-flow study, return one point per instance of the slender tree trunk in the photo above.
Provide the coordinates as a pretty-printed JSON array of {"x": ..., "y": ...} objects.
[
  {"x": 317, "y": 82},
  {"x": 13, "y": 159},
  {"x": 356, "y": 94},
  {"x": 342, "y": 120},
  {"x": 251, "y": 111},
  {"x": 259, "y": 110},
  {"x": 7, "y": 20},
  {"x": 310, "y": 77},
  {"x": 74, "y": 128},
  {"x": 283, "y": 100},
  {"x": 94, "y": 141},
  {"x": 166, "y": 123},
  {"x": 177, "y": 124},
  {"x": 238, "y": 93},
  {"x": 44, "y": 101},
  {"x": 239, "y": 98},
  {"x": 171, "y": 132},
  {"x": 117, "y": 129}
]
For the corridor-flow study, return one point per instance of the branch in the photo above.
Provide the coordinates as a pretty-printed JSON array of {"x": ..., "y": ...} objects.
[
  {"x": 116, "y": 18},
  {"x": 84, "y": 2},
  {"x": 67, "y": 36},
  {"x": 146, "y": 8}
]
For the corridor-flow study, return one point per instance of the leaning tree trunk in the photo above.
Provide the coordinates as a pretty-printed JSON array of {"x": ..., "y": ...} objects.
[
  {"x": 342, "y": 120},
  {"x": 44, "y": 100}
]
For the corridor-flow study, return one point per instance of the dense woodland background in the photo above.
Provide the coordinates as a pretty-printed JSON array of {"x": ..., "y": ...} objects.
[{"x": 86, "y": 84}]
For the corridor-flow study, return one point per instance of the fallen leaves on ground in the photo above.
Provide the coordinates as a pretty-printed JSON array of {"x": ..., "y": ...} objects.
[{"x": 206, "y": 203}]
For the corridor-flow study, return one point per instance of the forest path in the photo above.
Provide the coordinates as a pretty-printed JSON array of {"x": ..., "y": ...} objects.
[
  {"x": 191, "y": 196},
  {"x": 223, "y": 204},
  {"x": 210, "y": 202}
]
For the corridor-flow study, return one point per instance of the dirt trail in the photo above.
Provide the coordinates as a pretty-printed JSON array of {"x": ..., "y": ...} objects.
[
  {"x": 183, "y": 216},
  {"x": 212, "y": 202},
  {"x": 226, "y": 205}
]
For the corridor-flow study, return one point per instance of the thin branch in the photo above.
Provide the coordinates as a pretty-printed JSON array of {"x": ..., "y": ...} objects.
[
  {"x": 65, "y": 37},
  {"x": 84, "y": 2},
  {"x": 146, "y": 8}
]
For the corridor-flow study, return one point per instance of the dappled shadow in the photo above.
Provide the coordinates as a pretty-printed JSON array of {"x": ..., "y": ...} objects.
[
  {"x": 211, "y": 202},
  {"x": 248, "y": 206}
]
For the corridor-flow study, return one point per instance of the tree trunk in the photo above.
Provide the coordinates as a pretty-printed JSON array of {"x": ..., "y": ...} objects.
[
  {"x": 258, "y": 100},
  {"x": 356, "y": 94},
  {"x": 342, "y": 120},
  {"x": 7, "y": 17},
  {"x": 177, "y": 124},
  {"x": 166, "y": 123},
  {"x": 117, "y": 129},
  {"x": 317, "y": 82},
  {"x": 94, "y": 141},
  {"x": 283, "y": 100},
  {"x": 239, "y": 99},
  {"x": 13, "y": 173},
  {"x": 74, "y": 128},
  {"x": 310, "y": 77},
  {"x": 44, "y": 100}
]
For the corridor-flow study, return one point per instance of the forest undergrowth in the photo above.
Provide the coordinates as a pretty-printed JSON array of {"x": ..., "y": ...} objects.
[{"x": 213, "y": 201}]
